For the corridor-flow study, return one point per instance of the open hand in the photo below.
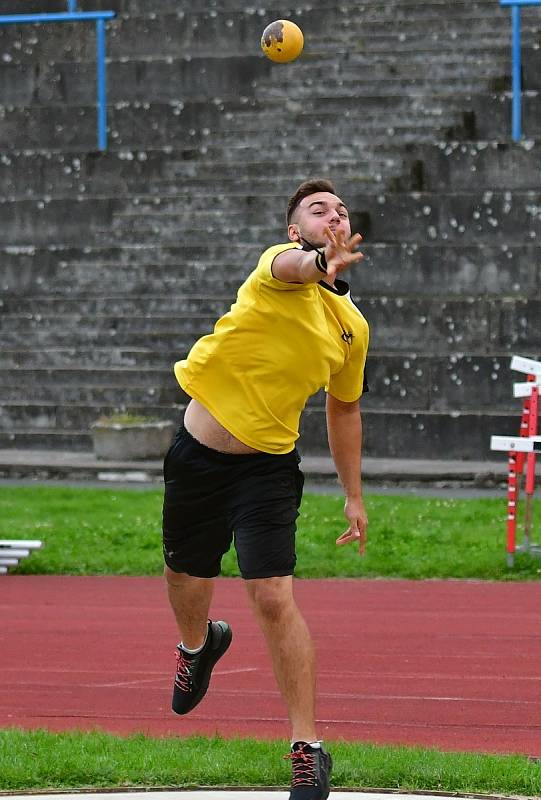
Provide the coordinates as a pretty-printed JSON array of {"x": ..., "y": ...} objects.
[{"x": 341, "y": 253}]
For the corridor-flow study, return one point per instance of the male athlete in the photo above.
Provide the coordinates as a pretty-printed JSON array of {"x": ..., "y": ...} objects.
[{"x": 232, "y": 470}]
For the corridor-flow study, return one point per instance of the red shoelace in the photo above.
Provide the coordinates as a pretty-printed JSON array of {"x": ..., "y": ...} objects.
[
  {"x": 183, "y": 678},
  {"x": 303, "y": 768}
]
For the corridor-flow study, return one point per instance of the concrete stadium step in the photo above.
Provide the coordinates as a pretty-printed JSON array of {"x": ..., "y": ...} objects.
[
  {"x": 494, "y": 217},
  {"x": 264, "y": 210},
  {"x": 210, "y": 78},
  {"x": 173, "y": 79},
  {"x": 60, "y": 268},
  {"x": 99, "y": 357},
  {"x": 490, "y": 216},
  {"x": 492, "y": 114},
  {"x": 362, "y": 88},
  {"x": 412, "y": 380},
  {"x": 244, "y": 177},
  {"x": 122, "y": 305},
  {"x": 386, "y": 435},
  {"x": 318, "y": 112},
  {"x": 446, "y": 63},
  {"x": 489, "y": 118},
  {"x": 262, "y": 9},
  {"x": 432, "y": 167},
  {"x": 51, "y": 378},
  {"x": 230, "y": 114},
  {"x": 74, "y": 84},
  {"x": 400, "y": 44},
  {"x": 447, "y": 271},
  {"x": 471, "y": 383},
  {"x": 434, "y": 435},
  {"x": 392, "y": 270},
  {"x": 432, "y": 326},
  {"x": 70, "y": 130},
  {"x": 185, "y": 125},
  {"x": 198, "y": 70},
  {"x": 157, "y": 172},
  {"x": 428, "y": 126},
  {"x": 460, "y": 167},
  {"x": 25, "y": 438},
  {"x": 379, "y": 130},
  {"x": 103, "y": 326},
  {"x": 131, "y": 125},
  {"x": 75, "y": 45},
  {"x": 81, "y": 411},
  {"x": 195, "y": 31},
  {"x": 100, "y": 337},
  {"x": 358, "y": 7},
  {"x": 381, "y": 363}
]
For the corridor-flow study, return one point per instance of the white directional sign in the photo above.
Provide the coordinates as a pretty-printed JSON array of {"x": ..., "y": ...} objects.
[
  {"x": 521, "y": 444},
  {"x": 526, "y": 365},
  {"x": 525, "y": 389}
]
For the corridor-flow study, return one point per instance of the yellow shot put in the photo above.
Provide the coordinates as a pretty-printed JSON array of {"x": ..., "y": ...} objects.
[{"x": 282, "y": 41}]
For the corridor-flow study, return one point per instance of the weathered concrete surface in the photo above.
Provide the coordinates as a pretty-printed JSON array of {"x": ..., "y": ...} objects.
[{"x": 112, "y": 265}]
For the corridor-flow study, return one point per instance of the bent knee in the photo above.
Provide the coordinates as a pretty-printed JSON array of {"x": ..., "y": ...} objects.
[
  {"x": 179, "y": 578},
  {"x": 271, "y": 597}
]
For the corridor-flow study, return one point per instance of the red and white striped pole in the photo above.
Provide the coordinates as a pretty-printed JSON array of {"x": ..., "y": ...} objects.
[
  {"x": 512, "y": 503},
  {"x": 530, "y": 463}
]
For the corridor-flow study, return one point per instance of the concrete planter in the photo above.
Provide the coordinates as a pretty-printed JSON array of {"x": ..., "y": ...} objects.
[{"x": 120, "y": 441}]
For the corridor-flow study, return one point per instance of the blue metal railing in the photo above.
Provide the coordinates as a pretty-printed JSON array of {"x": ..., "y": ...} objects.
[
  {"x": 516, "y": 112},
  {"x": 72, "y": 15}
]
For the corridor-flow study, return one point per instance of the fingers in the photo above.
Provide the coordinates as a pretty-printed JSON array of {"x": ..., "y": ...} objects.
[
  {"x": 330, "y": 235},
  {"x": 348, "y": 536},
  {"x": 362, "y": 543},
  {"x": 338, "y": 239},
  {"x": 353, "y": 535}
]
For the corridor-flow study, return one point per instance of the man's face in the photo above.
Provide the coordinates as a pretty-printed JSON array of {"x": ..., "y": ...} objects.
[{"x": 315, "y": 213}]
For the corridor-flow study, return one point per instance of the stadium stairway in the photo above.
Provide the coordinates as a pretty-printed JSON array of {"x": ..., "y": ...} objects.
[{"x": 111, "y": 265}]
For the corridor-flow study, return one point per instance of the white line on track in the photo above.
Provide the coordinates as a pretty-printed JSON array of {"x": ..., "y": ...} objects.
[{"x": 141, "y": 681}]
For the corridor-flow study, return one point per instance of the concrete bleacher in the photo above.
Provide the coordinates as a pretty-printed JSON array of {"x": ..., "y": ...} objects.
[{"x": 111, "y": 265}]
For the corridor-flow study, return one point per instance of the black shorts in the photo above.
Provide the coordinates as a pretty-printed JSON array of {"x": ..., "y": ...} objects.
[{"x": 212, "y": 497}]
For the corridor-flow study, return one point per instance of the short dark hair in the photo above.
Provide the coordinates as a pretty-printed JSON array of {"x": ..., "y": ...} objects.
[{"x": 307, "y": 187}]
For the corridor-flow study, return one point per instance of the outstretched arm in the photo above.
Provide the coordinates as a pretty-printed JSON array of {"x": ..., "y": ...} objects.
[
  {"x": 344, "y": 430},
  {"x": 299, "y": 266}
]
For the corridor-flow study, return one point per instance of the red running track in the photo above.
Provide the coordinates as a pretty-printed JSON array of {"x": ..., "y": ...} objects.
[{"x": 453, "y": 665}]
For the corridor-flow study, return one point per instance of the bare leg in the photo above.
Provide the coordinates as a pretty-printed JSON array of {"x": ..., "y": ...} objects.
[
  {"x": 190, "y": 600},
  {"x": 291, "y": 650}
]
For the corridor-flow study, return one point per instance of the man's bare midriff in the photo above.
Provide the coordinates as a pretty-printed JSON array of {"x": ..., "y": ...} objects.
[{"x": 207, "y": 430}]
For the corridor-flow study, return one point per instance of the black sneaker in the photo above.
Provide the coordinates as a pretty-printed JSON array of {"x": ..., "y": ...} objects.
[
  {"x": 193, "y": 671},
  {"x": 311, "y": 772}
]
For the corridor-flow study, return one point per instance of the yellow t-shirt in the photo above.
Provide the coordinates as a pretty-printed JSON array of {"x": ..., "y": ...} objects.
[{"x": 278, "y": 345}]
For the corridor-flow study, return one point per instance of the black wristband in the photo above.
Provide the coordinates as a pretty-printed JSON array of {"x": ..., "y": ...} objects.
[{"x": 321, "y": 261}]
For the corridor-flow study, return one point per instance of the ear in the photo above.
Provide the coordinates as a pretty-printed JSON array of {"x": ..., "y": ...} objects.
[{"x": 293, "y": 233}]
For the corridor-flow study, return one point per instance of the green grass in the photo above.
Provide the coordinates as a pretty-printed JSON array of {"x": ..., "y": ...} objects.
[
  {"x": 118, "y": 532},
  {"x": 38, "y": 759},
  {"x": 110, "y": 531}
]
